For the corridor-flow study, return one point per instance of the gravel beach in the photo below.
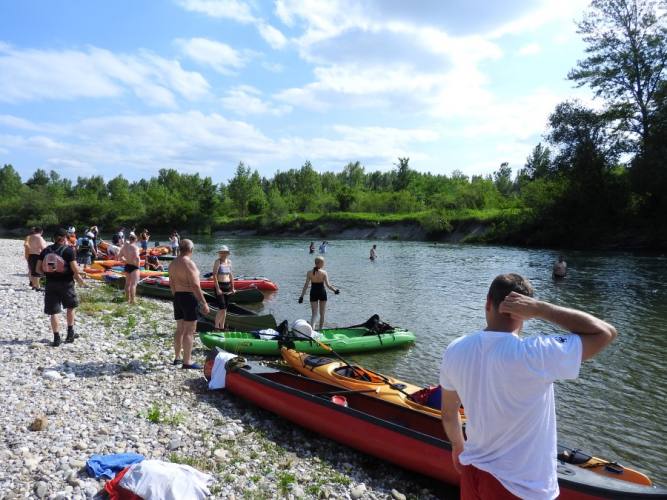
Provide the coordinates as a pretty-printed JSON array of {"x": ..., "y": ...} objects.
[{"x": 114, "y": 390}]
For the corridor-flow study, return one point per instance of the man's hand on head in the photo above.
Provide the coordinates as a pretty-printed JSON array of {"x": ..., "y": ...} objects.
[{"x": 520, "y": 306}]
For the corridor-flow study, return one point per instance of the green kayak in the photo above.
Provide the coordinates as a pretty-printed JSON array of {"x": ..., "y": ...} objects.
[{"x": 341, "y": 340}]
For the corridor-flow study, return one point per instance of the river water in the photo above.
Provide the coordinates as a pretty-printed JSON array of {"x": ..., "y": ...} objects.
[{"x": 617, "y": 407}]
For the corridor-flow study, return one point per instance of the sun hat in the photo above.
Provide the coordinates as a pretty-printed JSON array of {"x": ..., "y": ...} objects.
[{"x": 224, "y": 248}]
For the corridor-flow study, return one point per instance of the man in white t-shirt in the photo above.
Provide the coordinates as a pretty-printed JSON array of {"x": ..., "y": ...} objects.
[{"x": 505, "y": 384}]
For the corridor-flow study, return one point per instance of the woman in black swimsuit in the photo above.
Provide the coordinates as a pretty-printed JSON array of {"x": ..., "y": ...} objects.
[{"x": 318, "y": 279}]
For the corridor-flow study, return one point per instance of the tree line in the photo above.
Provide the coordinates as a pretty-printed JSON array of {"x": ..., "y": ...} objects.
[{"x": 598, "y": 176}]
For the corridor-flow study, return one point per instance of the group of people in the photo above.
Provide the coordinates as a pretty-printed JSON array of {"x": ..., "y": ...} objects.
[{"x": 504, "y": 381}]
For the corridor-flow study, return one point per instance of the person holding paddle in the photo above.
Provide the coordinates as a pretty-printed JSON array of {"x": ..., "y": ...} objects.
[
  {"x": 223, "y": 278},
  {"x": 505, "y": 383},
  {"x": 318, "y": 279}
]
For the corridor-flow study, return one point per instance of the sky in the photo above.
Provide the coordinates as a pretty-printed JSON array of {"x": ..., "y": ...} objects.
[{"x": 125, "y": 87}]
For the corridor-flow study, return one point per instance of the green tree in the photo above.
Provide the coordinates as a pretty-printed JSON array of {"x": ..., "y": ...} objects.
[
  {"x": 502, "y": 179},
  {"x": 403, "y": 174},
  {"x": 10, "y": 182},
  {"x": 538, "y": 164},
  {"x": 627, "y": 57}
]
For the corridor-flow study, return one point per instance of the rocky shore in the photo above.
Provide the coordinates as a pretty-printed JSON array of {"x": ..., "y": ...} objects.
[{"x": 114, "y": 390}]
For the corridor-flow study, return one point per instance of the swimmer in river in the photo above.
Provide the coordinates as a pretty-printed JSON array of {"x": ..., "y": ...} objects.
[
  {"x": 560, "y": 268},
  {"x": 374, "y": 253}
]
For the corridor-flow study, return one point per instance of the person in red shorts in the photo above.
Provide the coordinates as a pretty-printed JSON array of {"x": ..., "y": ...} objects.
[{"x": 505, "y": 383}]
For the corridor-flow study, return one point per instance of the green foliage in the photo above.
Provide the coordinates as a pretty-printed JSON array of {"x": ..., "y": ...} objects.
[
  {"x": 157, "y": 415},
  {"x": 626, "y": 59}
]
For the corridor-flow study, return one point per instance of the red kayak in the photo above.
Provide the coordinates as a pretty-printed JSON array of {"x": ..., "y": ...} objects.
[
  {"x": 262, "y": 284},
  {"x": 407, "y": 438}
]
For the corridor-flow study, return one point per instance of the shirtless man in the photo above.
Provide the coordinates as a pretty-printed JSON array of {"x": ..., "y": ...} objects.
[
  {"x": 374, "y": 253},
  {"x": 184, "y": 284},
  {"x": 34, "y": 244},
  {"x": 129, "y": 253}
]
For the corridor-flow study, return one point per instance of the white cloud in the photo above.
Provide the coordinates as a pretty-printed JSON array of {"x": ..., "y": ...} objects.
[
  {"x": 272, "y": 35},
  {"x": 530, "y": 50},
  {"x": 208, "y": 143},
  {"x": 544, "y": 12},
  {"x": 247, "y": 100},
  {"x": 273, "y": 67},
  {"x": 220, "y": 56},
  {"x": 229, "y": 9},
  {"x": 95, "y": 73}
]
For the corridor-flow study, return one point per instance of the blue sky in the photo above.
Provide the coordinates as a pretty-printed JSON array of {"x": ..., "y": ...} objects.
[{"x": 130, "y": 87}]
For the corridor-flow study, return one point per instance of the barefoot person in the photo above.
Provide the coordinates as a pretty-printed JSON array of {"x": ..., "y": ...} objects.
[
  {"x": 58, "y": 263},
  {"x": 318, "y": 279},
  {"x": 129, "y": 253},
  {"x": 505, "y": 383},
  {"x": 34, "y": 245},
  {"x": 223, "y": 278},
  {"x": 184, "y": 284}
]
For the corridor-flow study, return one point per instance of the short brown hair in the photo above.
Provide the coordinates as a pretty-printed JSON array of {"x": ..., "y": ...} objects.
[{"x": 505, "y": 284}]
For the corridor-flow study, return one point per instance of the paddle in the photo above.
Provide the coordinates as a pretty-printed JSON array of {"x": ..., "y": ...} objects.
[{"x": 347, "y": 363}]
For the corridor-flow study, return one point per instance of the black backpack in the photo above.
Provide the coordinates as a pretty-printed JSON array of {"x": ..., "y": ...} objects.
[{"x": 84, "y": 247}]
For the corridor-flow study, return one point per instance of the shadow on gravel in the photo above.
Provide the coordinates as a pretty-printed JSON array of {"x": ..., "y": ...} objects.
[
  {"x": 22, "y": 342},
  {"x": 97, "y": 368},
  {"x": 306, "y": 444}
]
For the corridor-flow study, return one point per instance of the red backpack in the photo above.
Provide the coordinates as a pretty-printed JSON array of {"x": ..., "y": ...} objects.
[{"x": 54, "y": 263}]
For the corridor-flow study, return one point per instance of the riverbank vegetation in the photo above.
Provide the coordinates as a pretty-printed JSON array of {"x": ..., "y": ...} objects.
[{"x": 598, "y": 179}]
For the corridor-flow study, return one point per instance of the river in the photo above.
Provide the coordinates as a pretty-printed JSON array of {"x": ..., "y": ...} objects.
[{"x": 616, "y": 409}]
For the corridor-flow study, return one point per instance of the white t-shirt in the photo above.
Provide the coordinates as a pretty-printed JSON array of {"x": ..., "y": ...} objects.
[{"x": 506, "y": 386}]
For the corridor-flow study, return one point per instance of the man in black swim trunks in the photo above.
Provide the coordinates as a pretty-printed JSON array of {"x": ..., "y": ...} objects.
[
  {"x": 129, "y": 253},
  {"x": 58, "y": 262},
  {"x": 185, "y": 287}
]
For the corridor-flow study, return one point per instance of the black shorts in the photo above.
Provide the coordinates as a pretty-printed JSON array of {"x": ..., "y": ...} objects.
[
  {"x": 32, "y": 264},
  {"x": 223, "y": 298},
  {"x": 185, "y": 306},
  {"x": 59, "y": 294},
  {"x": 130, "y": 268},
  {"x": 317, "y": 292}
]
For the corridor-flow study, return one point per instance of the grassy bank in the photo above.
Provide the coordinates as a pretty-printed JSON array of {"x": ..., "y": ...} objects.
[{"x": 429, "y": 224}]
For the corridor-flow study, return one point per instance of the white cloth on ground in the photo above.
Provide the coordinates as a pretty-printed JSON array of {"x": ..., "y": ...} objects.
[
  {"x": 158, "y": 480},
  {"x": 219, "y": 373},
  {"x": 506, "y": 386}
]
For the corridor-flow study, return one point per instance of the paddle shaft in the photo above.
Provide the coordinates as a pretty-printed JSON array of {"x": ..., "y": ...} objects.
[{"x": 353, "y": 368}]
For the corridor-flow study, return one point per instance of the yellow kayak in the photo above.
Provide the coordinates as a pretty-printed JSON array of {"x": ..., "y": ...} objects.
[{"x": 358, "y": 379}]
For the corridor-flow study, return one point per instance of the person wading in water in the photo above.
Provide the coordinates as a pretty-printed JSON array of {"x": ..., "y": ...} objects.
[
  {"x": 223, "y": 279},
  {"x": 318, "y": 279}
]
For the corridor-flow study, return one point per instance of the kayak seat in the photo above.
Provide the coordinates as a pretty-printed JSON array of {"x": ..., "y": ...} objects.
[
  {"x": 358, "y": 374},
  {"x": 315, "y": 361},
  {"x": 574, "y": 457}
]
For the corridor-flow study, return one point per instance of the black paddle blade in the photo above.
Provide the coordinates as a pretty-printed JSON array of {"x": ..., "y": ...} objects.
[{"x": 284, "y": 339}]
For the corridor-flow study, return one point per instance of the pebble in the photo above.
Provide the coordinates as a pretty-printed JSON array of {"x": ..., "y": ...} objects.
[
  {"x": 93, "y": 397},
  {"x": 52, "y": 375},
  {"x": 397, "y": 495},
  {"x": 358, "y": 491},
  {"x": 40, "y": 423}
]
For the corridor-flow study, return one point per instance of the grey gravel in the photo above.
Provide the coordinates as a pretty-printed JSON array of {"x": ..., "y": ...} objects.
[{"x": 114, "y": 390}]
